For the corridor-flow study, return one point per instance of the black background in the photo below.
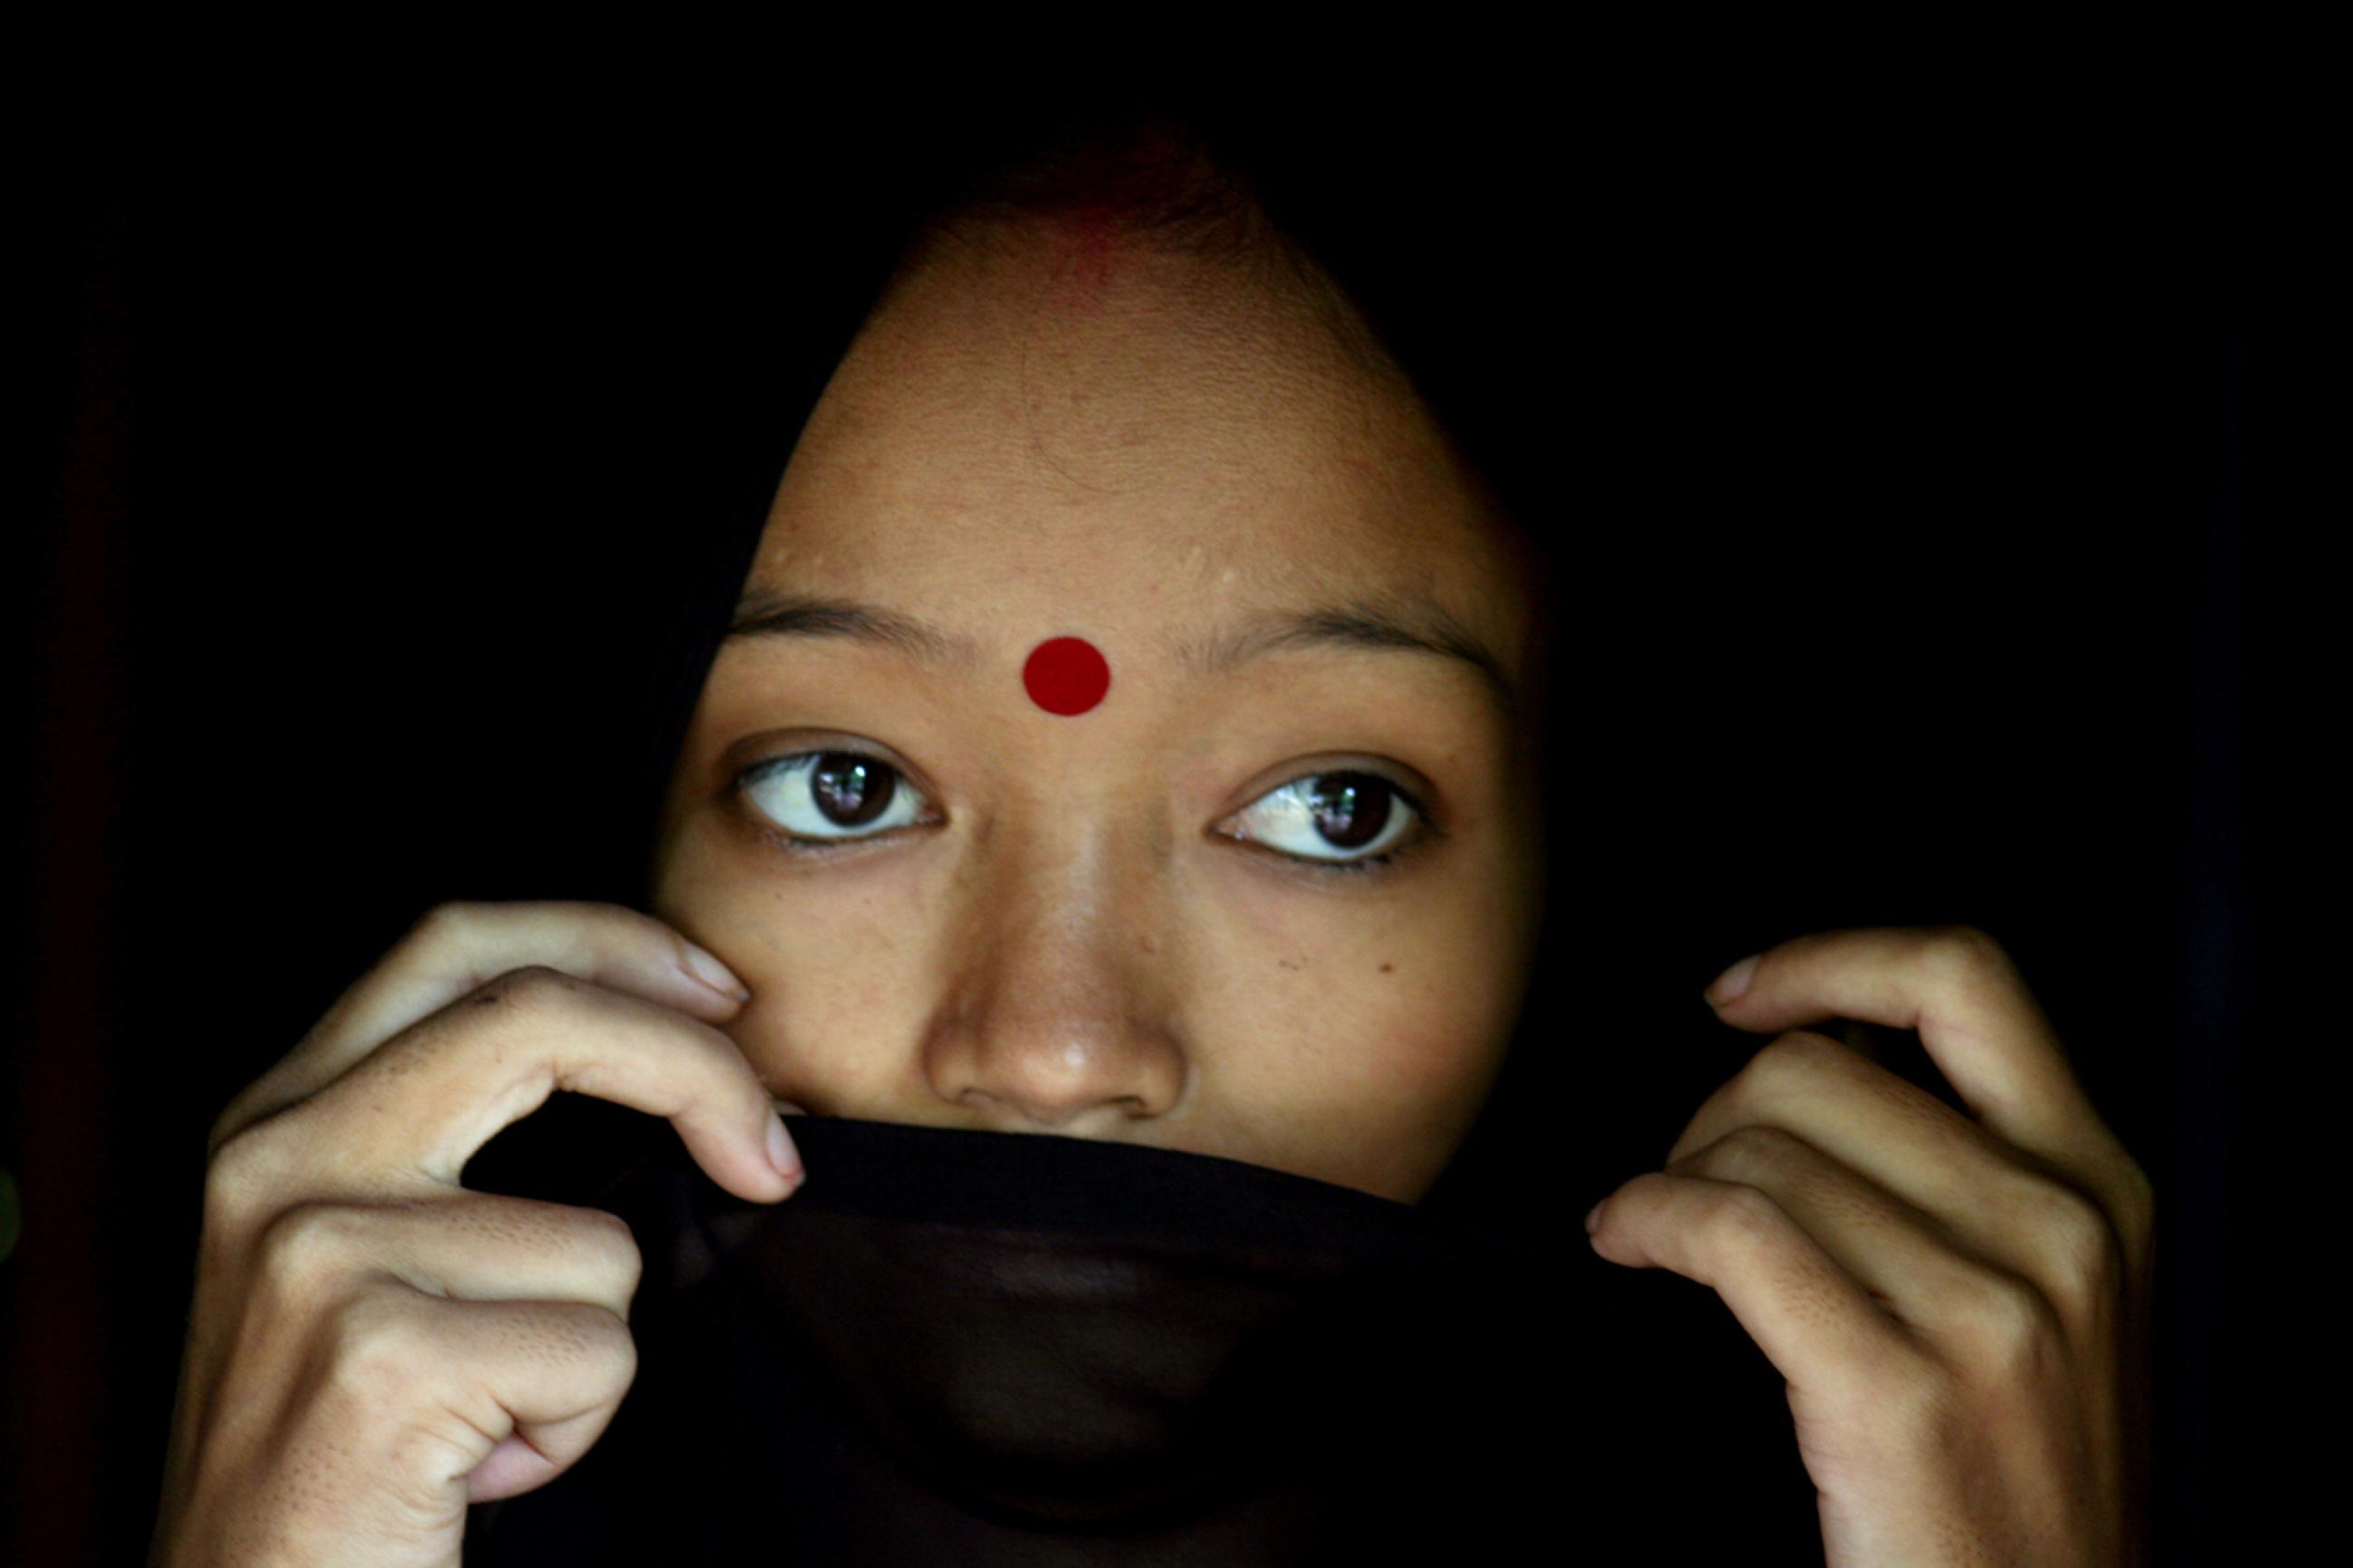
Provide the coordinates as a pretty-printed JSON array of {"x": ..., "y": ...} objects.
[{"x": 1907, "y": 440}]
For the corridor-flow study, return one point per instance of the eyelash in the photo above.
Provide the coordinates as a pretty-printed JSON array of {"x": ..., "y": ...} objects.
[{"x": 818, "y": 849}]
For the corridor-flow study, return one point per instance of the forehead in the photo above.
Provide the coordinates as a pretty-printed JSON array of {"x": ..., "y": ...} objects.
[{"x": 1041, "y": 409}]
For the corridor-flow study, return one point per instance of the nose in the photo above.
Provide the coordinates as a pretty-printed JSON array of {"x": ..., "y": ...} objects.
[{"x": 1058, "y": 1014}]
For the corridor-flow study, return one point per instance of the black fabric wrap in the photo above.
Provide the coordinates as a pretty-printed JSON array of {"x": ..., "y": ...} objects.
[
  {"x": 973, "y": 1347},
  {"x": 968, "y": 1347}
]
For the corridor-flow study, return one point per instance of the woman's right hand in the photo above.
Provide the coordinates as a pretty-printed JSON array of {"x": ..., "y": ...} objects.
[{"x": 373, "y": 1347}]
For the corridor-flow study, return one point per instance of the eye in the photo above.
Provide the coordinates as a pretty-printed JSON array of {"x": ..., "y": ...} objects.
[
  {"x": 1345, "y": 820},
  {"x": 831, "y": 797}
]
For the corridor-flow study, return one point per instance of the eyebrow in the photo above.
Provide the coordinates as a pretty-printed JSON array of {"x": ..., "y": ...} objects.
[
  {"x": 765, "y": 613},
  {"x": 1415, "y": 626}
]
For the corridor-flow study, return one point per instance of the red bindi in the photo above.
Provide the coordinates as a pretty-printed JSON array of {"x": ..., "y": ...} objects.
[{"x": 1066, "y": 675}]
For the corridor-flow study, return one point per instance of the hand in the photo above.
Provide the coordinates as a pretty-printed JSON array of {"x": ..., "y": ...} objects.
[
  {"x": 373, "y": 1347},
  {"x": 1959, "y": 1303}
]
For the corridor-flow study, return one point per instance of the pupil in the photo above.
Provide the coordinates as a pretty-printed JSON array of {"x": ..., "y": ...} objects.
[
  {"x": 851, "y": 790},
  {"x": 1351, "y": 809}
]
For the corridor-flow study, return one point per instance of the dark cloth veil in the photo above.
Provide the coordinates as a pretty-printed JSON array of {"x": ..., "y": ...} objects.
[{"x": 974, "y": 1347}]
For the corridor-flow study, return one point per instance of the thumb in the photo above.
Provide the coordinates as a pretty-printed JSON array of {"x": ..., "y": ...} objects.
[{"x": 519, "y": 1463}]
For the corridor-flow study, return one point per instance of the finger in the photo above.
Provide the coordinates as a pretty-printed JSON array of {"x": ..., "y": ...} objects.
[
  {"x": 2004, "y": 1206},
  {"x": 1821, "y": 1329},
  {"x": 519, "y": 1463},
  {"x": 554, "y": 1372},
  {"x": 465, "y": 1245},
  {"x": 1976, "y": 1018},
  {"x": 1906, "y": 1260},
  {"x": 445, "y": 1383},
  {"x": 417, "y": 1108},
  {"x": 457, "y": 947}
]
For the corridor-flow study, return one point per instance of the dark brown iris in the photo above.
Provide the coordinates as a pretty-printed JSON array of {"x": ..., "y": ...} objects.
[
  {"x": 851, "y": 790},
  {"x": 1351, "y": 809}
]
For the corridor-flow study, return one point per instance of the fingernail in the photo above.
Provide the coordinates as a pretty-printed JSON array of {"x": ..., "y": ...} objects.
[
  {"x": 781, "y": 1152},
  {"x": 1730, "y": 985},
  {"x": 715, "y": 975},
  {"x": 1593, "y": 1214}
]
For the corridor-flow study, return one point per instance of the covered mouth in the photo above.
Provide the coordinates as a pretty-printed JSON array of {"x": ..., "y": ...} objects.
[
  {"x": 1065, "y": 1331},
  {"x": 1048, "y": 1269}
]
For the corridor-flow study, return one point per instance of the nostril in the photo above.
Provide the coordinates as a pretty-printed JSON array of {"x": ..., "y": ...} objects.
[{"x": 1029, "y": 1114}]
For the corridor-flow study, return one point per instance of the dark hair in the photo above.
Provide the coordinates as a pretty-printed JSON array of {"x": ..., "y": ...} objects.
[{"x": 1155, "y": 178}]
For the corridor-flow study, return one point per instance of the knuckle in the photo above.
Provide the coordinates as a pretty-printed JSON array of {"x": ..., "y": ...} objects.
[
  {"x": 376, "y": 1346},
  {"x": 609, "y": 1239},
  {"x": 245, "y": 1169},
  {"x": 452, "y": 925},
  {"x": 1748, "y": 1217},
  {"x": 1795, "y": 1055},
  {"x": 1758, "y": 1149},
  {"x": 2082, "y": 1256},
  {"x": 308, "y": 1242},
  {"x": 1965, "y": 952},
  {"x": 587, "y": 1340},
  {"x": 2013, "y": 1331},
  {"x": 609, "y": 1353},
  {"x": 613, "y": 1346},
  {"x": 531, "y": 987}
]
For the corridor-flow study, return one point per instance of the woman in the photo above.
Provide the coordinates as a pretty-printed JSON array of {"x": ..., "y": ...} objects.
[{"x": 1129, "y": 728}]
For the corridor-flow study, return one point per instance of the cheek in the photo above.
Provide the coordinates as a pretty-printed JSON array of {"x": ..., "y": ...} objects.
[
  {"x": 835, "y": 969},
  {"x": 1369, "y": 1082},
  {"x": 1353, "y": 1035},
  {"x": 1359, "y": 1026}
]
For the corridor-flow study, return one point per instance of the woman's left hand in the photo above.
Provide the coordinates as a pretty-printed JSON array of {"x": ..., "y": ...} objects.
[{"x": 1959, "y": 1303}]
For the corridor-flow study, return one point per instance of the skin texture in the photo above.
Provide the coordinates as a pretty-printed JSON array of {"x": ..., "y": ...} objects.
[
  {"x": 373, "y": 1346},
  {"x": 1042, "y": 432},
  {"x": 1960, "y": 1303}
]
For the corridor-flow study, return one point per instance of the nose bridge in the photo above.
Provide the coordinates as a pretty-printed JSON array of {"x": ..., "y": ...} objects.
[{"x": 1057, "y": 1014}]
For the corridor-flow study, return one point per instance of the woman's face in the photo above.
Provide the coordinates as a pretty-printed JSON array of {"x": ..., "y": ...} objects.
[{"x": 1273, "y": 896}]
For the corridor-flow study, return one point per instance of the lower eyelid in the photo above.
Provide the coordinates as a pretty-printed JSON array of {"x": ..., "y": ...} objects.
[
  {"x": 827, "y": 848},
  {"x": 1370, "y": 866}
]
